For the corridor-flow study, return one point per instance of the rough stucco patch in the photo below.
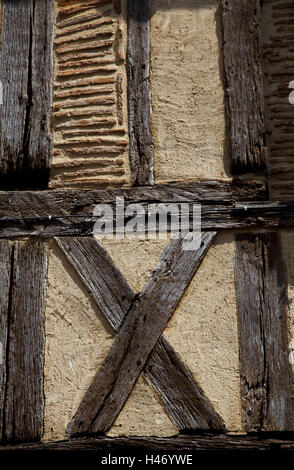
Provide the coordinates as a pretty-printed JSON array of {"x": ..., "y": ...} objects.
[
  {"x": 187, "y": 92},
  {"x": 77, "y": 341},
  {"x": 203, "y": 331},
  {"x": 143, "y": 415},
  {"x": 136, "y": 258}
]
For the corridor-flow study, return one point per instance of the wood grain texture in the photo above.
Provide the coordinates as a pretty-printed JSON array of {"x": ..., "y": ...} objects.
[
  {"x": 266, "y": 375},
  {"x": 139, "y": 93},
  {"x": 244, "y": 81},
  {"x": 24, "y": 400},
  {"x": 39, "y": 206},
  {"x": 278, "y": 62},
  {"x": 26, "y": 74},
  {"x": 5, "y": 272},
  {"x": 204, "y": 442},
  {"x": 243, "y": 216},
  {"x": 182, "y": 398},
  {"x": 137, "y": 337}
]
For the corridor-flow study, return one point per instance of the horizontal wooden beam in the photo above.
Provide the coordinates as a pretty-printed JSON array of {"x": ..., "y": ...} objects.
[
  {"x": 189, "y": 443},
  {"x": 44, "y": 203},
  {"x": 20, "y": 219}
]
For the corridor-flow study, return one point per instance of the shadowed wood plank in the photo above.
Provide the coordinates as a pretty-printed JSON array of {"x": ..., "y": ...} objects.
[
  {"x": 26, "y": 74},
  {"x": 24, "y": 401},
  {"x": 139, "y": 92},
  {"x": 55, "y": 213},
  {"x": 181, "y": 396},
  {"x": 266, "y": 375},
  {"x": 5, "y": 271},
  {"x": 244, "y": 77},
  {"x": 239, "y": 216},
  {"x": 137, "y": 337},
  {"x": 207, "y": 442}
]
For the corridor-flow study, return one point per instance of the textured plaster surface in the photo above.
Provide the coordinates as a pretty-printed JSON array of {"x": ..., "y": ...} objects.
[
  {"x": 187, "y": 90},
  {"x": 89, "y": 121},
  {"x": 204, "y": 332}
]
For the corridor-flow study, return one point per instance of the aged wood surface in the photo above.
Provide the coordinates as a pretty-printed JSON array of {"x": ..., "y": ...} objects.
[
  {"x": 242, "y": 216},
  {"x": 26, "y": 74},
  {"x": 204, "y": 442},
  {"x": 90, "y": 138},
  {"x": 137, "y": 337},
  {"x": 56, "y": 213},
  {"x": 24, "y": 400},
  {"x": 182, "y": 397},
  {"x": 278, "y": 61},
  {"x": 244, "y": 82},
  {"x": 266, "y": 375},
  {"x": 139, "y": 93},
  {"x": 5, "y": 272}
]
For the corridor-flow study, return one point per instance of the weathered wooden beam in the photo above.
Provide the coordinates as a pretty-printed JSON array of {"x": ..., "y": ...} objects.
[
  {"x": 69, "y": 213},
  {"x": 278, "y": 59},
  {"x": 139, "y": 92},
  {"x": 137, "y": 337},
  {"x": 206, "y": 442},
  {"x": 26, "y": 75},
  {"x": 24, "y": 400},
  {"x": 244, "y": 85},
  {"x": 5, "y": 273},
  {"x": 59, "y": 223},
  {"x": 44, "y": 203},
  {"x": 183, "y": 399},
  {"x": 266, "y": 375}
]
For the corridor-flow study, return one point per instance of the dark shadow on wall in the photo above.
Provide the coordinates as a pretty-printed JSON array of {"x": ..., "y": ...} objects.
[{"x": 174, "y": 4}]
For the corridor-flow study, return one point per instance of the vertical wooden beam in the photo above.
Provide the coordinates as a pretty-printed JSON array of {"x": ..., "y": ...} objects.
[
  {"x": 5, "y": 272},
  {"x": 24, "y": 401},
  {"x": 26, "y": 75},
  {"x": 266, "y": 375},
  {"x": 278, "y": 58},
  {"x": 244, "y": 85},
  {"x": 139, "y": 92}
]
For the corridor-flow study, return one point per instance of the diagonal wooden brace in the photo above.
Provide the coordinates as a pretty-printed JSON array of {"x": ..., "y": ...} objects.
[{"x": 182, "y": 397}]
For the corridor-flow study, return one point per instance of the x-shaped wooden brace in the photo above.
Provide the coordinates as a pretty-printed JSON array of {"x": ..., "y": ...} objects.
[{"x": 140, "y": 321}]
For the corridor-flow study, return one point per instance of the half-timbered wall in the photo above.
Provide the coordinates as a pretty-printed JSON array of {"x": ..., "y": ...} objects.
[{"x": 138, "y": 342}]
